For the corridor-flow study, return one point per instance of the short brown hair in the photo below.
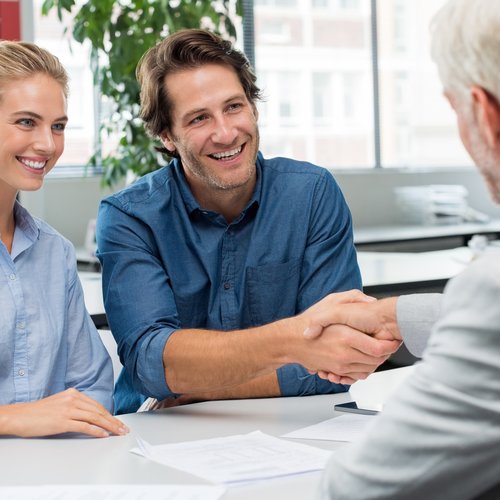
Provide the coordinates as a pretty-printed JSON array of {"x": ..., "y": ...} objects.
[
  {"x": 185, "y": 49},
  {"x": 20, "y": 60}
]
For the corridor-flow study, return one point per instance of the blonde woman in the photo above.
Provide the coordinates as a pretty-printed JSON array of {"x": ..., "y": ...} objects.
[{"x": 55, "y": 374}]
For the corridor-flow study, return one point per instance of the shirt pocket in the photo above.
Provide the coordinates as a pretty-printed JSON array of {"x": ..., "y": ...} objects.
[{"x": 272, "y": 291}]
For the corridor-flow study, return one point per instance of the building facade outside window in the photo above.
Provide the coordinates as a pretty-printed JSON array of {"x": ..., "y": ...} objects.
[
  {"x": 313, "y": 61},
  {"x": 81, "y": 132}
]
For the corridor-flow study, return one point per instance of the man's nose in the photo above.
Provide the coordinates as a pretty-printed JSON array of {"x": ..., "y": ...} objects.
[{"x": 224, "y": 131}]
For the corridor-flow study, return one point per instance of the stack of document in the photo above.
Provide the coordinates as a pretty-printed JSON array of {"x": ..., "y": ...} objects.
[
  {"x": 436, "y": 204},
  {"x": 237, "y": 459}
]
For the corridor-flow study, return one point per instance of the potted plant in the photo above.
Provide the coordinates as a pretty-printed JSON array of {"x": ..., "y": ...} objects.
[{"x": 119, "y": 32}]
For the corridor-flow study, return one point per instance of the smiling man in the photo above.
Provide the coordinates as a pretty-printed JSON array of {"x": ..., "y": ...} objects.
[{"x": 212, "y": 263}]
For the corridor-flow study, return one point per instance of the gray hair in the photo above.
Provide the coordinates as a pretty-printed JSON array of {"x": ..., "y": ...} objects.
[{"x": 466, "y": 46}]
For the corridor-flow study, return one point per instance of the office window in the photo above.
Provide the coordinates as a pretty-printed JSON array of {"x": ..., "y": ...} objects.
[
  {"x": 417, "y": 127},
  {"x": 314, "y": 61},
  {"x": 288, "y": 85},
  {"x": 322, "y": 98},
  {"x": 81, "y": 130},
  {"x": 401, "y": 25},
  {"x": 276, "y": 31},
  {"x": 331, "y": 48},
  {"x": 337, "y": 4},
  {"x": 350, "y": 4},
  {"x": 276, "y": 3},
  {"x": 328, "y": 96},
  {"x": 282, "y": 114}
]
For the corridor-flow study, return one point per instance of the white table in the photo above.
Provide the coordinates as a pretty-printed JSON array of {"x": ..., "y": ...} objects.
[
  {"x": 108, "y": 461},
  {"x": 408, "y": 232},
  {"x": 394, "y": 273},
  {"x": 92, "y": 292}
]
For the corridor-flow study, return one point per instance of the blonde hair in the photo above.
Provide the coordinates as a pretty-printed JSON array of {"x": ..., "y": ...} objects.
[{"x": 19, "y": 60}]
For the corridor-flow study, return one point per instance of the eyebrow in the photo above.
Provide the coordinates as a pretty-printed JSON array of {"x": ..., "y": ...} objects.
[
  {"x": 37, "y": 116},
  {"x": 203, "y": 110}
]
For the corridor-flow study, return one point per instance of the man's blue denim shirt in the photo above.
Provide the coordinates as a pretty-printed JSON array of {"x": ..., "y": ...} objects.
[{"x": 169, "y": 264}]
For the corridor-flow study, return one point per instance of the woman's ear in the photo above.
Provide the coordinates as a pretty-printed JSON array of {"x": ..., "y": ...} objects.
[{"x": 487, "y": 113}]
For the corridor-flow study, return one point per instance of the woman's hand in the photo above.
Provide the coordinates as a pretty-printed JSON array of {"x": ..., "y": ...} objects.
[{"x": 67, "y": 411}]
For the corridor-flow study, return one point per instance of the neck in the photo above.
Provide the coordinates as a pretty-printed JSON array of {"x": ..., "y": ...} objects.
[
  {"x": 229, "y": 205},
  {"x": 228, "y": 202},
  {"x": 7, "y": 228},
  {"x": 7, "y": 223}
]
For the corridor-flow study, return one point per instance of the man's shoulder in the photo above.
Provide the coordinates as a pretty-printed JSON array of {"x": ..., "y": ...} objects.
[
  {"x": 157, "y": 183},
  {"x": 299, "y": 178},
  {"x": 290, "y": 166},
  {"x": 296, "y": 174}
]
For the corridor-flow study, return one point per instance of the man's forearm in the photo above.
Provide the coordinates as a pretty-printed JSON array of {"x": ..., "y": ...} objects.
[
  {"x": 265, "y": 386},
  {"x": 200, "y": 361}
]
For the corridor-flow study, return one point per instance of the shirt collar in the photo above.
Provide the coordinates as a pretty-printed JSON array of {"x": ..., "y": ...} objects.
[
  {"x": 191, "y": 202},
  {"x": 26, "y": 223},
  {"x": 26, "y": 232}
]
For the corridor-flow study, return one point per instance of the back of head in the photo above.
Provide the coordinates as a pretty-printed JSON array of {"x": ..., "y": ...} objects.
[
  {"x": 19, "y": 60},
  {"x": 466, "y": 46},
  {"x": 184, "y": 50}
]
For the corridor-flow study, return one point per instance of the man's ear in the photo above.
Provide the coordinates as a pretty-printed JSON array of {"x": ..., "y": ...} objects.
[
  {"x": 487, "y": 113},
  {"x": 255, "y": 111},
  {"x": 166, "y": 140}
]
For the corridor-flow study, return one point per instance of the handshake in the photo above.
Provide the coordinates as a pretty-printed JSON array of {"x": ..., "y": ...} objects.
[{"x": 348, "y": 335}]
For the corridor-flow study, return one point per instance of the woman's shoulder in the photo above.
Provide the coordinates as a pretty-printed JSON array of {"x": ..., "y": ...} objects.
[{"x": 51, "y": 240}]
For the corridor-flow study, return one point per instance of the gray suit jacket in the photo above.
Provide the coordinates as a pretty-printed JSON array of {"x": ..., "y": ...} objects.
[{"x": 439, "y": 436}]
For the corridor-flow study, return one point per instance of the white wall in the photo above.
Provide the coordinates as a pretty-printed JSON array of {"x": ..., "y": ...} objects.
[
  {"x": 68, "y": 204},
  {"x": 370, "y": 194}
]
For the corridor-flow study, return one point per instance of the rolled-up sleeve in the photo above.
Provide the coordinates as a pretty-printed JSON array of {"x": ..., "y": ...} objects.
[{"x": 141, "y": 312}]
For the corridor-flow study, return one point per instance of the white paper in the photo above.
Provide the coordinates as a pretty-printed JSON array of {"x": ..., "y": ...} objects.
[
  {"x": 240, "y": 458},
  {"x": 343, "y": 428},
  {"x": 113, "y": 492}
]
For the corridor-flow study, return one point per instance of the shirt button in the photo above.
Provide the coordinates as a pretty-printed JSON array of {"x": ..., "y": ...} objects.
[
  {"x": 21, "y": 373},
  {"x": 12, "y": 276},
  {"x": 20, "y": 325},
  {"x": 227, "y": 286}
]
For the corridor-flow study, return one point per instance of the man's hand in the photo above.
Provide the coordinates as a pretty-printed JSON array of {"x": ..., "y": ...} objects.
[
  {"x": 343, "y": 355},
  {"x": 345, "y": 316},
  {"x": 67, "y": 411},
  {"x": 357, "y": 310}
]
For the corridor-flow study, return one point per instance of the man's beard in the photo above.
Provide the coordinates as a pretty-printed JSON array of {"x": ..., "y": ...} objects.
[{"x": 485, "y": 159}]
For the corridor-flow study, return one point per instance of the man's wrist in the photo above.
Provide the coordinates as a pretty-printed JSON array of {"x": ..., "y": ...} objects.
[
  {"x": 287, "y": 338},
  {"x": 388, "y": 316}
]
